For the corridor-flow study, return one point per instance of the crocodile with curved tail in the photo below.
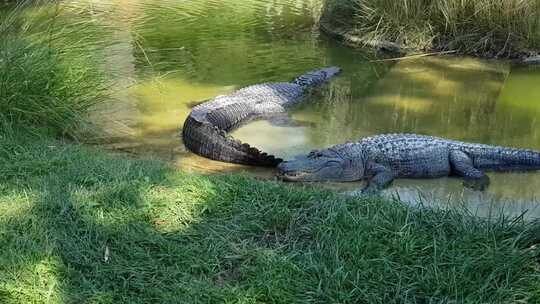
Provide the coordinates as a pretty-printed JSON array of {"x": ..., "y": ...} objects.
[{"x": 205, "y": 130}]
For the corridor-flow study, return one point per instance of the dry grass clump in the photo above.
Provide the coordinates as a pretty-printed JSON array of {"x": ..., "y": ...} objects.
[{"x": 490, "y": 28}]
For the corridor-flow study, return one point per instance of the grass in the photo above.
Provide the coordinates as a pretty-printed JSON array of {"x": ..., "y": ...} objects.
[
  {"x": 491, "y": 28},
  {"x": 77, "y": 225},
  {"x": 47, "y": 83}
]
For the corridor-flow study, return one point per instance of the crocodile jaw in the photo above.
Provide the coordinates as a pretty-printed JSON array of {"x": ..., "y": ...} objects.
[{"x": 293, "y": 176}]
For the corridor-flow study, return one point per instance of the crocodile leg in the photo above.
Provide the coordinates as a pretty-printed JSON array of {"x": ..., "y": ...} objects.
[
  {"x": 462, "y": 165},
  {"x": 381, "y": 178}
]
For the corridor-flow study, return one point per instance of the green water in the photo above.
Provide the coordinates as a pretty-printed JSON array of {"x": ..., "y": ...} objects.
[{"x": 166, "y": 56}]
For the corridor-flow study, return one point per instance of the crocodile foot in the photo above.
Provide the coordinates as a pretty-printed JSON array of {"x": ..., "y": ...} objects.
[{"x": 477, "y": 184}]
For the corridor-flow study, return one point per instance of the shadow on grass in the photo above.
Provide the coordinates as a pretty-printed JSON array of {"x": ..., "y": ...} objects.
[{"x": 101, "y": 229}]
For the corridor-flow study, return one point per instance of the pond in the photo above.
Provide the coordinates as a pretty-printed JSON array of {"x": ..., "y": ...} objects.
[{"x": 167, "y": 56}]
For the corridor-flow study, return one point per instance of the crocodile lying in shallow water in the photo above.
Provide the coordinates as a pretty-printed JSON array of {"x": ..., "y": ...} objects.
[
  {"x": 382, "y": 158},
  {"x": 205, "y": 130}
]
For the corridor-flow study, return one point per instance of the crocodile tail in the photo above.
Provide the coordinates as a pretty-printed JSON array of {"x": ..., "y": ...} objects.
[
  {"x": 511, "y": 159},
  {"x": 214, "y": 143},
  {"x": 316, "y": 77}
]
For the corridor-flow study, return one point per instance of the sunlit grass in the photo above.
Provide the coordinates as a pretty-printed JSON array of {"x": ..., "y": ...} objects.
[
  {"x": 104, "y": 229},
  {"x": 486, "y": 27},
  {"x": 78, "y": 225}
]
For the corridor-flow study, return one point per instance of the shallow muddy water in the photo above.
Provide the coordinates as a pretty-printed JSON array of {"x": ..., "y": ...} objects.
[{"x": 167, "y": 56}]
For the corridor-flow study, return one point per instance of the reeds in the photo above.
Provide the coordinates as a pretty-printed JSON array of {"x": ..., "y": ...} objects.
[
  {"x": 491, "y": 28},
  {"x": 46, "y": 84}
]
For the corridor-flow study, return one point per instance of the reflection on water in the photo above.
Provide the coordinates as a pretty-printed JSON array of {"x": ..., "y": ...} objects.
[
  {"x": 169, "y": 55},
  {"x": 513, "y": 193}
]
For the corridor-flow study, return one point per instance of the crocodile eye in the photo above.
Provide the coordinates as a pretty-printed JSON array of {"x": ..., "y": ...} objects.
[{"x": 314, "y": 154}]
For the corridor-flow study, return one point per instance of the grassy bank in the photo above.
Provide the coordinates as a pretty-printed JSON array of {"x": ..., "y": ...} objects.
[
  {"x": 77, "y": 225},
  {"x": 42, "y": 89},
  {"x": 490, "y": 28},
  {"x": 47, "y": 82}
]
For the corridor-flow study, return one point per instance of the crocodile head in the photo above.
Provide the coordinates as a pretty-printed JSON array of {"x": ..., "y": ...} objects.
[
  {"x": 317, "y": 77},
  {"x": 322, "y": 165}
]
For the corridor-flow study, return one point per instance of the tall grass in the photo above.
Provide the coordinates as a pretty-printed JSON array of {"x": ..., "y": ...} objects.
[
  {"x": 46, "y": 83},
  {"x": 492, "y": 28}
]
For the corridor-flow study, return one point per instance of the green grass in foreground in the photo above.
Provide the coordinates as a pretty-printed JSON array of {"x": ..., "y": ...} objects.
[
  {"x": 77, "y": 225},
  {"x": 481, "y": 27},
  {"x": 80, "y": 226}
]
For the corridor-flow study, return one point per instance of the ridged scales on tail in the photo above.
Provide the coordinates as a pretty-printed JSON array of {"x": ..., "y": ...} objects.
[
  {"x": 206, "y": 129},
  {"x": 383, "y": 158}
]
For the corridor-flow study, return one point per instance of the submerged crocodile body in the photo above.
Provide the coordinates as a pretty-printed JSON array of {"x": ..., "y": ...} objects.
[
  {"x": 382, "y": 158},
  {"x": 205, "y": 130}
]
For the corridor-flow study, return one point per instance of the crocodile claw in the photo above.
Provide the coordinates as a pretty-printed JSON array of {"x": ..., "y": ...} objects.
[
  {"x": 366, "y": 192},
  {"x": 477, "y": 184}
]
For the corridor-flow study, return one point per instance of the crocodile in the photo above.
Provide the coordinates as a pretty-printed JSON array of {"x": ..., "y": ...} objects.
[
  {"x": 382, "y": 158},
  {"x": 206, "y": 129}
]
